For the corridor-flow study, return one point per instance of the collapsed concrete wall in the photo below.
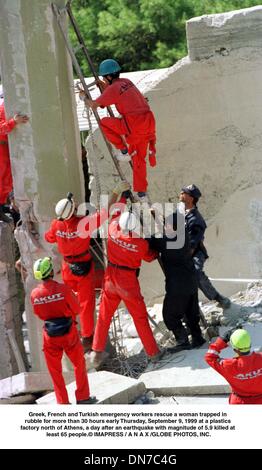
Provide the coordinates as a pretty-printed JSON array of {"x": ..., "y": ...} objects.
[
  {"x": 12, "y": 353},
  {"x": 208, "y": 112},
  {"x": 45, "y": 153}
]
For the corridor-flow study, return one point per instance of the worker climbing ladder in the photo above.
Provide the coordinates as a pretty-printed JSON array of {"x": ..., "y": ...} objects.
[{"x": 61, "y": 15}]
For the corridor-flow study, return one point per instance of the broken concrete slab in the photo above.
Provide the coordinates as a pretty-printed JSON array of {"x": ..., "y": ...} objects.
[
  {"x": 41, "y": 149},
  {"x": 27, "y": 399},
  {"x": 191, "y": 98},
  {"x": 203, "y": 400},
  {"x": 187, "y": 373},
  {"x": 192, "y": 400},
  {"x": 109, "y": 389},
  {"x": 29, "y": 382},
  {"x": 219, "y": 34},
  {"x": 12, "y": 353},
  {"x": 184, "y": 373}
]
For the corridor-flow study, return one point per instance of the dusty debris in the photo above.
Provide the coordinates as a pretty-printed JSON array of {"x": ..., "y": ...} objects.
[{"x": 245, "y": 306}]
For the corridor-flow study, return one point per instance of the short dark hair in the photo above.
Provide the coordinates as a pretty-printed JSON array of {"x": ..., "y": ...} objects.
[{"x": 113, "y": 75}]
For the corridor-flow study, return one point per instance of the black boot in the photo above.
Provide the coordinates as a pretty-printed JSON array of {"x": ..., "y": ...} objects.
[
  {"x": 88, "y": 401},
  {"x": 224, "y": 302},
  {"x": 179, "y": 347},
  {"x": 197, "y": 341},
  {"x": 182, "y": 341}
]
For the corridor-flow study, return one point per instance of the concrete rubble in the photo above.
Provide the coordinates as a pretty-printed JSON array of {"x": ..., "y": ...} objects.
[
  {"x": 184, "y": 377},
  {"x": 208, "y": 112},
  {"x": 46, "y": 152},
  {"x": 187, "y": 373},
  {"x": 12, "y": 352},
  {"x": 28, "y": 382},
  {"x": 245, "y": 306},
  {"x": 26, "y": 399},
  {"x": 109, "y": 389}
]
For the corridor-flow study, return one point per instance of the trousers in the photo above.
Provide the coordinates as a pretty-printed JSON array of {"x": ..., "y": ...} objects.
[
  {"x": 204, "y": 283},
  {"x": 6, "y": 182},
  {"x": 178, "y": 307},
  {"x": 84, "y": 286},
  {"x": 53, "y": 348},
  {"x": 123, "y": 285},
  {"x": 139, "y": 133}
]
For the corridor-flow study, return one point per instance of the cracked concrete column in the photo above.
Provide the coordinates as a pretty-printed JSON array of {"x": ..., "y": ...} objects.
[
  {"x": 45, "y": 154},
  {"x": 11, "y": 340}
]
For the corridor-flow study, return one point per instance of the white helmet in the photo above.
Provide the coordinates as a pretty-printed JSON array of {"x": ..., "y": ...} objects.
[
  {"x": 65, "y": 208},
  {"x": 128, "y": 221}
]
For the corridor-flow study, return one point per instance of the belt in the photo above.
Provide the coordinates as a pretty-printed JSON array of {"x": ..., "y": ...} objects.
[
  {"x": 3, "y": 142},
  {"x": 76, "y": 256},
  {"x": 121, "y": 267}
]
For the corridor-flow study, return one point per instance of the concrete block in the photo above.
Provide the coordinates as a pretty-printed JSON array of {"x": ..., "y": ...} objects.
[
  {"x": 109, "y": 389},
  {"x": 203, "y": 400},
  {"x": 192, "y": 400},
  {"x": 211, "y": 35},
  {"x": 184, "y": 373},
  {"x": 28, "y": 382},
  {"x": 27, "y": 399}
]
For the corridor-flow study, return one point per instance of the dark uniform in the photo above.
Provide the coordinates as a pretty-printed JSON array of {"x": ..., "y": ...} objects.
[
  {"x": 181, "y": 299},
  {"x": 196, "y": 227}
]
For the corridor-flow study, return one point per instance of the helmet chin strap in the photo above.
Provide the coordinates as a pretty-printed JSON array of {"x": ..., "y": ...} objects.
[
  {"x": 69, "y": 202},
  {"x": 110, "y": 80}
]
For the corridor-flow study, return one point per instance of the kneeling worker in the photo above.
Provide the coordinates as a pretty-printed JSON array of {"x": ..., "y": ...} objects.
[
  {"x": 243, "y": 372},
  {"x": 57, "y": 305}
]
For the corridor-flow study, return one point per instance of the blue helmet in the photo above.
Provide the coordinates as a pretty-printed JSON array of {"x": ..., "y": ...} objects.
[{"x": 109, "y": 66}]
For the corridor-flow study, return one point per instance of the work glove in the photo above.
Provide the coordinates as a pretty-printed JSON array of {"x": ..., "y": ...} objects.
[
  {"x": 121, "y": 187},
  {"x": 152, "y": 160},
  {"x": 226, "y": 336}
]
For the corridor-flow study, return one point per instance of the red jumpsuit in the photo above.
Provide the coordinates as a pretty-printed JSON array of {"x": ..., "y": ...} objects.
[
  {"x": 73, "y": 245},
  {"x": 6, "y": 182},
  {"x": 52, "y": 299},
  {"x": 137, "y": 124},
  {"x": 243, "y": 373},
  {"x": 122, "y": 284}
]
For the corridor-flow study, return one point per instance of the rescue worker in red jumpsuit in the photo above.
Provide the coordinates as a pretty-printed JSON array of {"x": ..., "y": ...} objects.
[
  {"x": 126, "y": 250},
  {"x": 78, "y": 265},
  {"x": 57, "y": 305},
  {"x": 134, "y": 132},
  {"x": 243, "y": 372},
  {"x": 6, "y": 182}
]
